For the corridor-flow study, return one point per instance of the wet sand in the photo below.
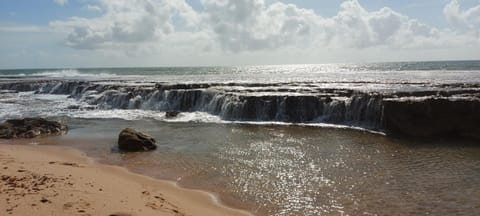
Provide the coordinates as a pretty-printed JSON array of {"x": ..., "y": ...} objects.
[{"x": 49, "y": 180}]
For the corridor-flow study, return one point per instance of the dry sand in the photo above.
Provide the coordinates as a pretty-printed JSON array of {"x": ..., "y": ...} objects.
[{"x": 47, "y": 180}]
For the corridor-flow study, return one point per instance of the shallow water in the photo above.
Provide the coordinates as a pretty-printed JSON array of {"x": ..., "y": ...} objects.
[
  {"x": 293, "y": 170},
  {"x": 265, "y": 164}
]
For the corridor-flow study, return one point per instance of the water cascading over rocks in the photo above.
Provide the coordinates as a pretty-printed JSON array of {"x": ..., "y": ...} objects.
[{"x": 447, "y": 109}]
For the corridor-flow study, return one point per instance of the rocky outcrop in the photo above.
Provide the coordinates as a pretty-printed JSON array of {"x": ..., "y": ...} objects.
[
  {"x": 131, "y": 140},
  {"x": 171, "y": 114},
  {"x": 30, "y": 128},
  {"x": 433, "y": 117},
  {"x": 400, "y": 109}
]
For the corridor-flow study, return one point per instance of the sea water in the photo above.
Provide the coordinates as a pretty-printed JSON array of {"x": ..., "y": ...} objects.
[{"x": 273, "y": 167}]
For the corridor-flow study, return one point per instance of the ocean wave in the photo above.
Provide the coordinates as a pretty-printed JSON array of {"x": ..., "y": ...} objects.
[{"x": 69, "y": 73}]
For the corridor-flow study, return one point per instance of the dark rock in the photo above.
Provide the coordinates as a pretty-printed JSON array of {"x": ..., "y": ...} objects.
[
  {"x": 89, "y": 108},
  {"x": 30, "y": 128},
  {"x": 132, "y": 140},
  {"x": 302, "y": 108},
  {"x": 413, "y": 109},
  {"x": 186, "y": 100},
  {"x": 171, "y": 114},
  {"x": 74, "y": 107},
  {"x": 328, "y": 99},
  {"x": 433, "y": 117}
]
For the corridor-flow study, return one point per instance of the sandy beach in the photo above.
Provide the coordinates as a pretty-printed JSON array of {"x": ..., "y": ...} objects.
[{"x": 47, "y": 180}]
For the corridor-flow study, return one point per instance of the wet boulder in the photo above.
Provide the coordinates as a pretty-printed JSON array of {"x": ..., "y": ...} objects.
[
  {"x": 30, "y": 128},
  {"x": 171, "y": 114},
  {"x": 132, "y": 141}
]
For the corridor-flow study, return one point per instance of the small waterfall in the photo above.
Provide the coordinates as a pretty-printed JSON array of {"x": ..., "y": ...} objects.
[
  {"x": 334, "y": 112},
  {"x": 439, "y": 110},
  {"x": 229, "y": 103}
]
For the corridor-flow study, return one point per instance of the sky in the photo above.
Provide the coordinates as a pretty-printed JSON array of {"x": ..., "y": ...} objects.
[{"x": 134, "y": 33}]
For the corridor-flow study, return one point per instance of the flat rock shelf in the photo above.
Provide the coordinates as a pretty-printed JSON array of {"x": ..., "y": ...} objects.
[{"x": 398, "y": 109}]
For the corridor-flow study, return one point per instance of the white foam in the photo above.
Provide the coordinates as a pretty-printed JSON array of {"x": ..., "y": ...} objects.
[
  {"x": 69, "y": 73},
  {"x": 128, "y": 115},
  {"x": 19, "y": 105},
  {"x": 198, "y": 117}
]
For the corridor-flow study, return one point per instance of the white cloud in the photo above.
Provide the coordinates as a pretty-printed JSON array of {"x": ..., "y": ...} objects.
[
  {"x": 467, "y": 19},
  {"x": 24, "y": 29},
  {"x": 124, "y": 22},
  {"x": 245, "y": 25},
  {"x": 94, "y": 8},
  {"x": 356, "y": 27},
  {"x": 61, "y": 2},
  {"x": 237, "y": 26},
  {"x": 251, "y": 25}
]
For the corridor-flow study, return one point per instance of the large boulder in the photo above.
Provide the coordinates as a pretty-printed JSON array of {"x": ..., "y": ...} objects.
[
  {"x": 30, "y": 128},
  {"x": 132, "y": 140},
  {"x": 433, "y": 117}
]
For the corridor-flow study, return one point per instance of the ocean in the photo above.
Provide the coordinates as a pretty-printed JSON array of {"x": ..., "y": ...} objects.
[{"x": 330, "y": 139}]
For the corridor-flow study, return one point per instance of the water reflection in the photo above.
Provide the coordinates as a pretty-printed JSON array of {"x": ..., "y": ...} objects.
[{"x": 274, "y": 170}]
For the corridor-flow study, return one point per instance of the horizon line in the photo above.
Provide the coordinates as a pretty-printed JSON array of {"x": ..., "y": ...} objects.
[{"x": 246, "y": 65}]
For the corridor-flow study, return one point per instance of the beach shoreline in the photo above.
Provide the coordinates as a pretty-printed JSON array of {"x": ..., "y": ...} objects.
[{"x": 53, "y": 180}]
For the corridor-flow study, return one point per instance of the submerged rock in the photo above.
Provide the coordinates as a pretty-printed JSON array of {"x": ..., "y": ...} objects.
[
  {"x": 30, "y": 128},
  {"x": 132, "y": 140},
  {"x": 171, "y": 114},
  {"x": 74, "y": 107}
]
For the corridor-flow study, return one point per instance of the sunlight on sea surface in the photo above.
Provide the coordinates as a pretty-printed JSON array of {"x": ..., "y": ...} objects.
[
  {"x": 291, "y": 170},
  {"x": 262, "y": 164},
  {"x": 428, "y": 72}
]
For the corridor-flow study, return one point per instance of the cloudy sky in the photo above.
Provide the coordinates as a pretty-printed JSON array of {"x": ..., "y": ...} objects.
[{"x": 103, "y": 33}]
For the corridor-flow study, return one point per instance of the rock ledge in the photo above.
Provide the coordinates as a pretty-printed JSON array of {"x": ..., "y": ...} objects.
[{"x": 31, "y": 128}]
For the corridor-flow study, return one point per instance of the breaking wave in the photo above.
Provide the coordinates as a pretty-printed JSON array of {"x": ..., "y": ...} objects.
[{"x": 69, "y": 73}]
